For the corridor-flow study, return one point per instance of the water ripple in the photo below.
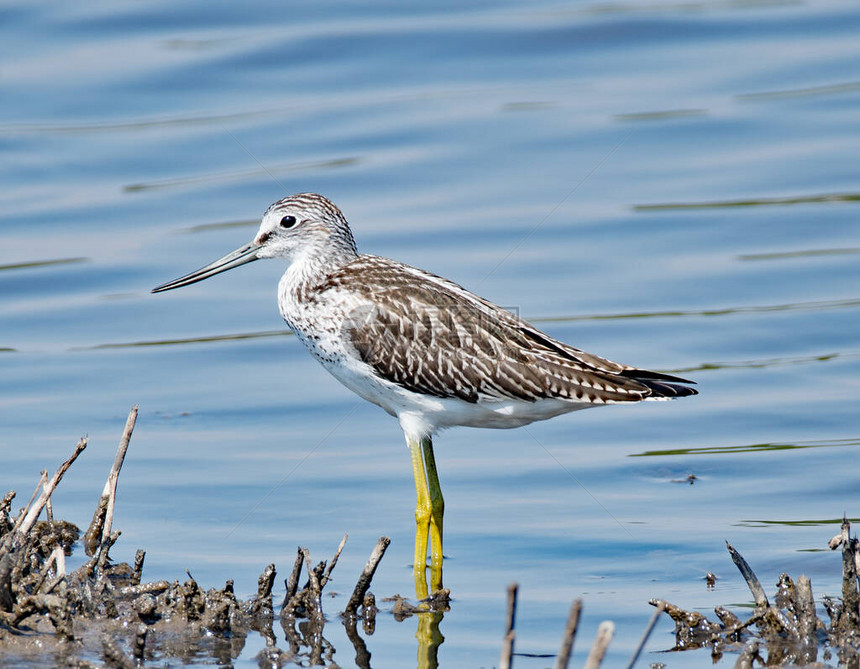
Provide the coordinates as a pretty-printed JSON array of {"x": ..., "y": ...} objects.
[
  {"x": 187, "y": 340},
  {"x": 42, "y": 263},
  {"x": 240, "y": 175},
  {"x": 767, "y": 362},
  {"x": 827, "y": 89},
  {"x": 815, "y": 305},
  {"x": 755, "y": 202},
  {"x": 799, "y": 254},
  {"x": 753, "y": 448}
]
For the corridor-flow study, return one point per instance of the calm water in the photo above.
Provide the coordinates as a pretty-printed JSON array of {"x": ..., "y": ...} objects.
[{"x": 673, "y": 185}]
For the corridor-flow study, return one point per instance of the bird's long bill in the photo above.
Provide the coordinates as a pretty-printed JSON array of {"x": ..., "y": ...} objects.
[{"x": 242, "y": 256}]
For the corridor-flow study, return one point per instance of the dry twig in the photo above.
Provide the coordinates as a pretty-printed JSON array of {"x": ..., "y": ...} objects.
[
  {"x": 645, "y": 636},
  {"x": 327, "y": 574},
  {"x": 363, "y": 583},
  {"x": 97, "y": 540},
  {"x": 601, "y": 643},
  {"x": 506, "y": 659},
  {"x": 563, "y": 658},
  {"x": 35, "y": 509},
  {"x": 749, "y": 576}
]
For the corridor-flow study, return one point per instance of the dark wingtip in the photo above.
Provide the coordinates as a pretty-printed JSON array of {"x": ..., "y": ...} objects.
[
  {"x": 662, "y": 385},
  {"x": 642, "y": 374}
]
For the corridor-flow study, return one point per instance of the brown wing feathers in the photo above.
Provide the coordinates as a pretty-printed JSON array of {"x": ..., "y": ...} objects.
[{"x": 431, "y": 336}]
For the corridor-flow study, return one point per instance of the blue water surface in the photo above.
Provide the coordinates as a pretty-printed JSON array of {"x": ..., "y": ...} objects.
[{"x": 672, "y": 185}]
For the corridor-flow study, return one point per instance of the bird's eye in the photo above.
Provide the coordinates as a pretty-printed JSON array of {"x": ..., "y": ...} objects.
[{"x": 288, "y": 221}]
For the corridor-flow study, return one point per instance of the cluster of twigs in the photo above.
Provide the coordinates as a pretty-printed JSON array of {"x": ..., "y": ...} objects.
[
  {"x": 605, "y": 631},
  {"x": 788, "y": 631},
  {"x": 106, "y": 605},
  {"x": 302, "y": 618}
]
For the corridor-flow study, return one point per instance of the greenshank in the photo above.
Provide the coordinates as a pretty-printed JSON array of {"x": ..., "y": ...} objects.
[{"x": 423, "y": 348}]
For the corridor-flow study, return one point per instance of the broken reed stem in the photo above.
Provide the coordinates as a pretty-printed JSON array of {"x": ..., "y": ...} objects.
[
  {"x": 23, "y": 512},
  {"x": 6, "y": 523},
  {"x": 265, "y": 583},
  {"x": 35, "y": 509},
  {"x": 58, "y": 557},
  {"x": 563, "y": 658},
  {"x": 137, "y": 571},
  {"x": 739, "y": 626},
  {"x": 848, "y": 618},
  {"x": 49, "y": 511},
  {"x": 113, "y": 477},
  {"x": 660, "y": 607},
  {"x": 506, "y": 659},
  {"x": 807, "y": 621},
  {"x": 601, "y": 643},
  {"x": 99, "y": 561},
  {"x": 314, "y": 602},
  {"x": 327, "y": 575},
  {"x": 749, "y": 576},
  {"x": 313, "y": 581},
  {"x": 363, "y": 583},
  {"x": 292, "y": 584}
]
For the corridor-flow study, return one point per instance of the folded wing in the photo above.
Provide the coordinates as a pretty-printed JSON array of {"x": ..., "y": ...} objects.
[{"x": 431, "y": 336}]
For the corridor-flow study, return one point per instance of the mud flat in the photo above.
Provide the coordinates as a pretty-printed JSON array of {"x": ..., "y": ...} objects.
[{"x": 104, "y": 614}]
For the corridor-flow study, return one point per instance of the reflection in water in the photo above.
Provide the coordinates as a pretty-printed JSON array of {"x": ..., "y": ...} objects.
[
  {"x": 308, "y": 645},
  {"x": 306, "y": 640},
  {"x": 303, "y": 620},
  {"x": 429, "y": 639},
  {"x": 362, "y": 654}
]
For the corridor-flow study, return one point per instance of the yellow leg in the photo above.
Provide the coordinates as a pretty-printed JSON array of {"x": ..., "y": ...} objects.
[
  {"x": 422, "y": 518},
  {"x": 437, "y": 510},
  {"x": 429, "y": 509}
]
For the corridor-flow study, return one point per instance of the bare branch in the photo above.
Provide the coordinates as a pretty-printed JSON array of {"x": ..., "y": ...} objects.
[
  {"x": 363, "y": 584},
  {"x": 601, "y": 643},
  {"x": 646, "y": 634},
  {"x": 506, "y": 659},
  {"x": 34, "y": 510},
  {"x": 749, "y": 576},
  {"x": 327, "y": 575},
  {"x": 563, "y": 658}
]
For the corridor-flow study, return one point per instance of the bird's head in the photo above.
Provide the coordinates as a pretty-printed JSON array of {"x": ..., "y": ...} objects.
[{"x": 302, "y": 226}]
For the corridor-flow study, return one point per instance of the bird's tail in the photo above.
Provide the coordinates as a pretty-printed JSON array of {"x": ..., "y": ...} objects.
[{"x": 662, "y": 386}]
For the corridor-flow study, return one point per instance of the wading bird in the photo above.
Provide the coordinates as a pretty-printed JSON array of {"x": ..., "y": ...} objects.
[{"x": 426, "y": 350}]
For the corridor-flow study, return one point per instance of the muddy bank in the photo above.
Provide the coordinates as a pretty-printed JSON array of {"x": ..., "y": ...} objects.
[{"x": 104, "y": 613}]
